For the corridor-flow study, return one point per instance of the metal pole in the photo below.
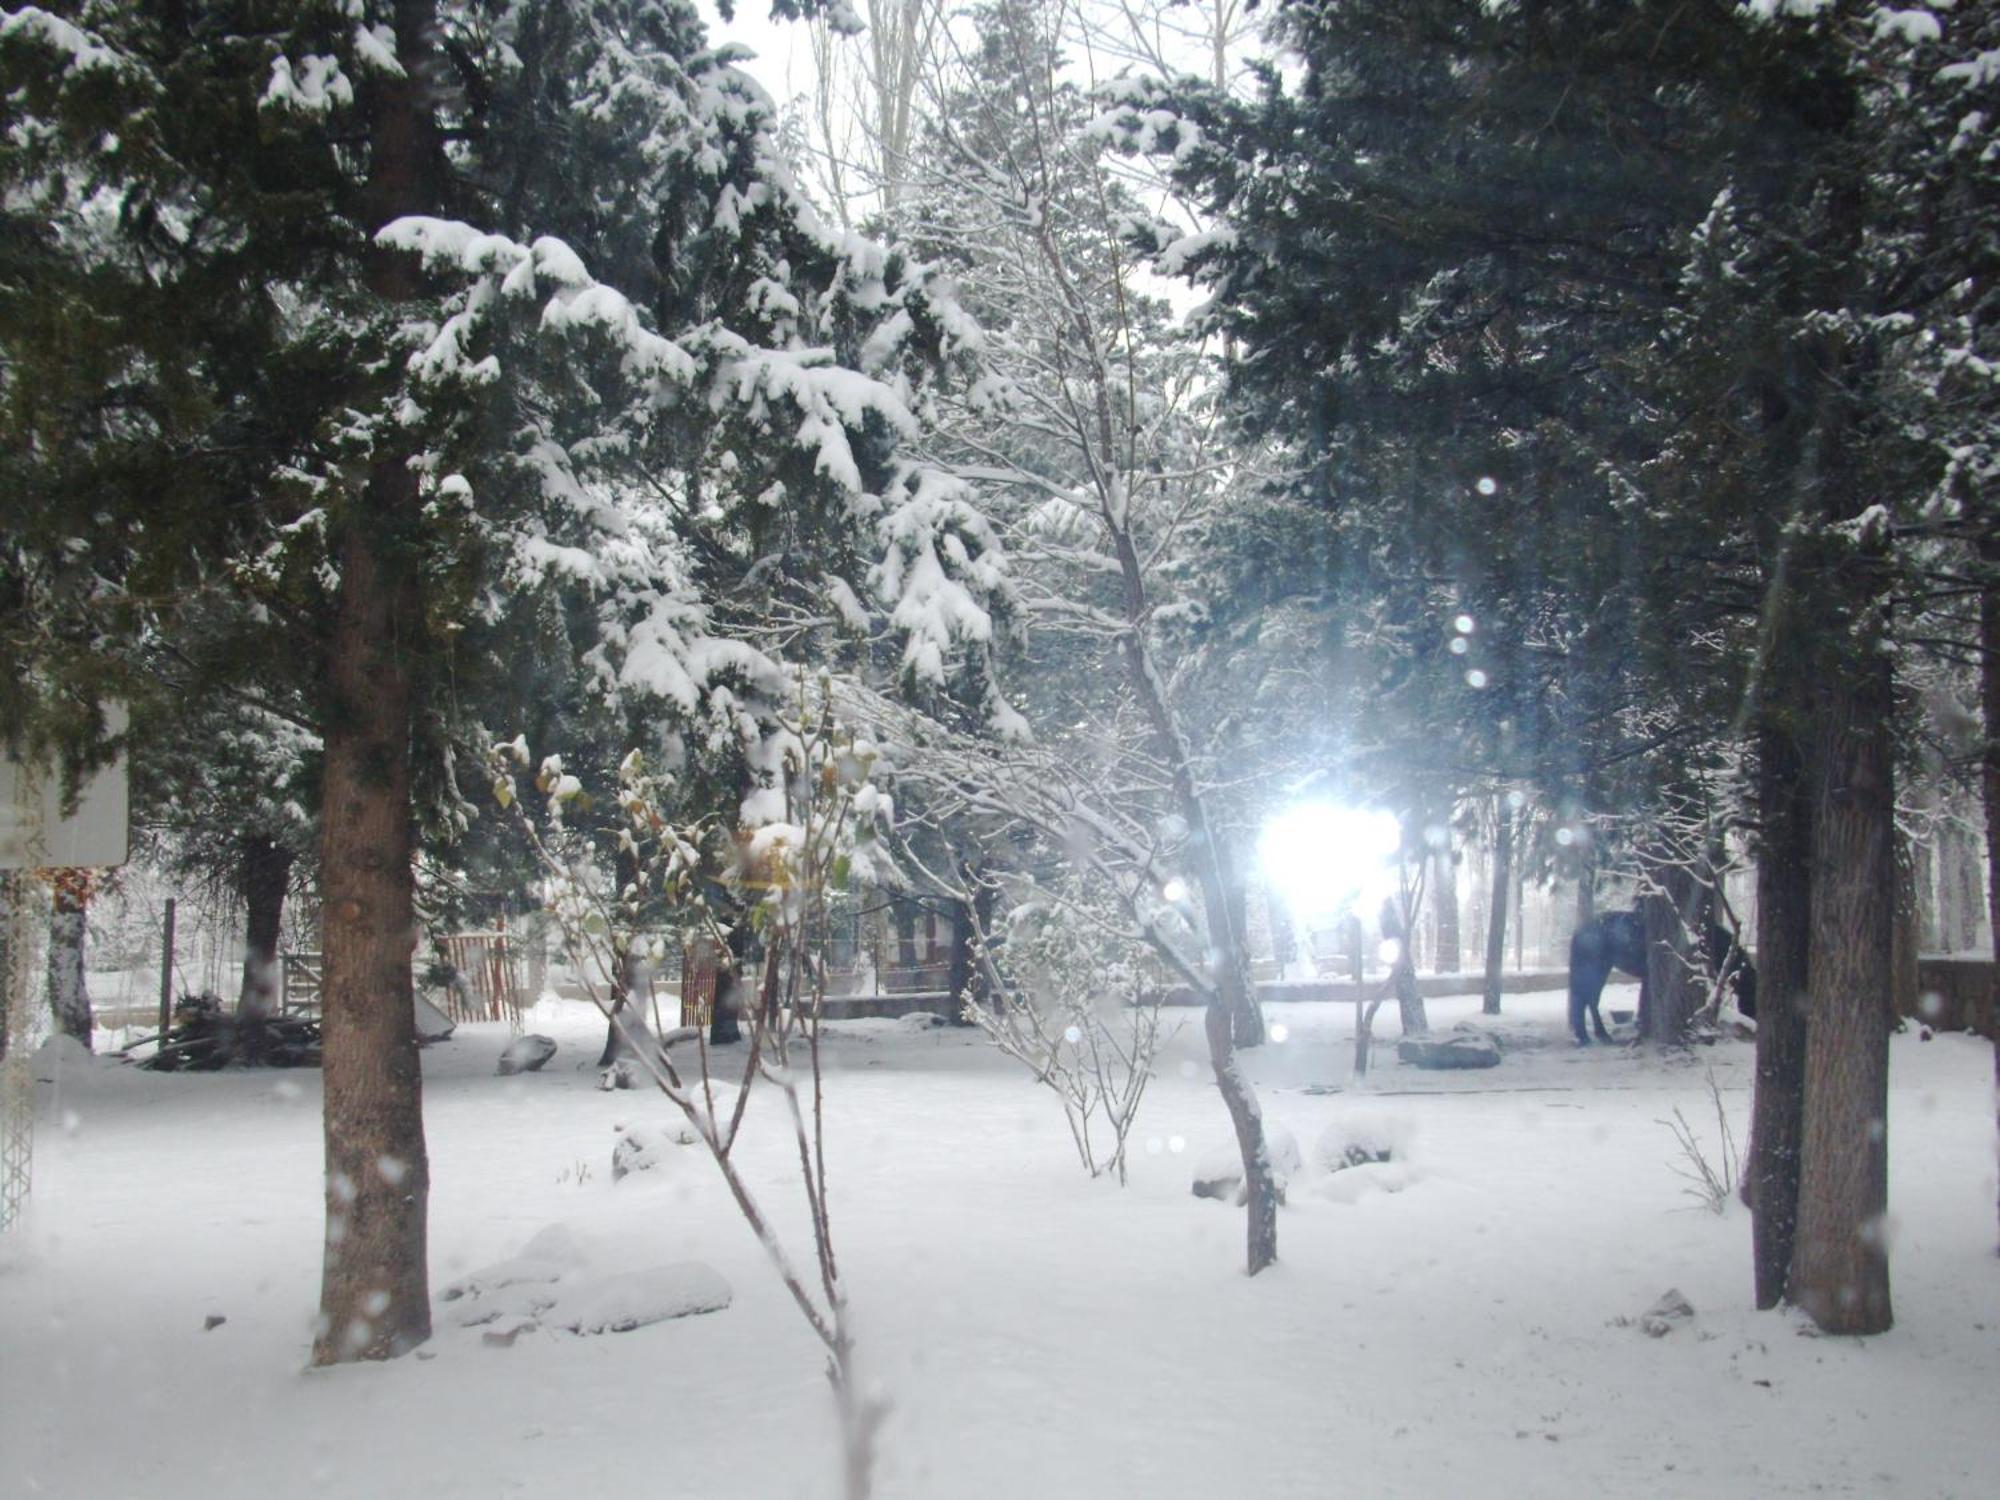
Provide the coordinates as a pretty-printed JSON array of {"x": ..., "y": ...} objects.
[{"x": 167, "y": 977}]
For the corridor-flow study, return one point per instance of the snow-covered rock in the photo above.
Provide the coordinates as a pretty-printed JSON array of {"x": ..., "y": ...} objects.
[
  {"x": 544, "y": 1260},
  {"x": 622, "y": 1074},
  {"x": 1452, "y": 1049},
  {"x": 1664, "y": 1316},
  {"x": 619, "y": 1304},
  {"x": 520, "y": 1303},
  {"x": 433, "y": 1025},
  {"x": 520, "y": 1288},
  {"x": 1357, "y": 1137},
  {"x": 640, "y": 1148},
  {"x": 526, "y": 1054}
]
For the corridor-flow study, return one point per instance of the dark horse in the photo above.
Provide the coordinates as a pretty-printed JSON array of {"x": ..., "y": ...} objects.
[{"x": 1617, "y": 940}]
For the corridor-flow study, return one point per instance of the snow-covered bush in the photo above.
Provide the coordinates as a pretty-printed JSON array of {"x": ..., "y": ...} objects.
[
  {"x": 808, "y": 831},
  {"x": 1073, "y": 1005}
]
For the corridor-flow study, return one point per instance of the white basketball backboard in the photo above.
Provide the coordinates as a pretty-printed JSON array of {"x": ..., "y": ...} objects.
[{"x": 34, "y": 834}]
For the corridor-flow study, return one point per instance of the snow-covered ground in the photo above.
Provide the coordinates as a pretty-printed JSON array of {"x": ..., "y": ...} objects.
[{"x": 1463, "y": 1325}]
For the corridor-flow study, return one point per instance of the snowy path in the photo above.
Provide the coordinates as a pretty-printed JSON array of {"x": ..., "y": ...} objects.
[{"x": 1037, "y": 1334}]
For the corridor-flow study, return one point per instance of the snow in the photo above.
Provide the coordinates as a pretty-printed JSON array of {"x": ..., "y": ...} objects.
[
  {"x": 1463, "y": 1319},
  {"x": 376, "y": 46},
  {"x": 85, "y": 53},
  {"x": 1913, "y": 27},
  {"x": 315, "y": 87}
]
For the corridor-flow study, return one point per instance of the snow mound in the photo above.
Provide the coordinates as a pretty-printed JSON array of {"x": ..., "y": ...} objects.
[
  {"x": 1365, "y": 1181},
  {"x": 516, "y": 1303},
  {"x": 1362, "y": 1136},
  {"x": 548, "y": 1285},
  {"x": 60, "y": 1054},
  {"x": 1219, "y": 1173},
  {"x": 641, "y": 1148},
  {"x": 619, "y": 1304},
  {"x": 555, "y": 1242},
  {"x": 550, "y": 1255}
]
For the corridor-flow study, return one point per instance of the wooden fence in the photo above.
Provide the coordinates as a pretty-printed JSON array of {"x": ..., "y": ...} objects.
[{"x": 484, "y": 985}]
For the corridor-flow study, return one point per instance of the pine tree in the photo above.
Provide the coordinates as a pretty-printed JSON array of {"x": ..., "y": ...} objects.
[
  {"x": 1646, "y": 269},
  {"x": 383, "y": 428}
]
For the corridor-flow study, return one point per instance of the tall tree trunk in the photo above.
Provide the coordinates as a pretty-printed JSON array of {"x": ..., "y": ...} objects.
[
  {"x": 624, "y": 975},
  {"x": 375, "y": 1283},
  {"x": 69, "y": 990},
  {"x": 1903, "y": 984},
  {"x": 1840, "y": 1263},
  {"x": 1232, "y": 1004},
  {"x": 1444, "y": 882},
  {"x": 1397, "y": 924},
  {"x": 984, "y": 895},
  {"x": 961, "y": 971},
  {"x": 1247, "y": 1018},
  {"x": 1989, "y": 780},
  {"x": 1948, "y": 884},
  {"x": 725, "y": 1028},
  {"x": 264, "y": 876},
  {"x": 375, "y": 1289},
  {"x": 1784, "y": 921},
  {"x": 1520, "y": 917},
  {"x": 1673, "y": 914},
  {"x": 625, "y": 1010},
  {"x": 1965, "y": 903},
  {"x": 1496, "y": 922}
]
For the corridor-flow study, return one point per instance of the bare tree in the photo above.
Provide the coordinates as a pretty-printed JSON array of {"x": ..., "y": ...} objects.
[
  {"x": 1504, "y": 837},
  {"x": 868, "y": 88},
  {"x": 1073, "y": 1008},
  {"x": 1106, "y": 467},
  {"x": 789, "y": 870}
]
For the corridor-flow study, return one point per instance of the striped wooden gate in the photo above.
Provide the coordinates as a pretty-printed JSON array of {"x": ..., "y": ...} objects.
[
  {"x": 485, "y": 986},
  {"x": 699, "y": 973},
  {"x": 300, "y": 986}
]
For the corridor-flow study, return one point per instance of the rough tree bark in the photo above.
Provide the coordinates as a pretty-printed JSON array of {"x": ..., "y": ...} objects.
[
  {"x": 1444, "y": 883},
  {"x": 375, "y": 1291},
  {"x": 69, "y": 919},
  {"x": 1672, "y": 913},
  {"x": 625, "y": 972},
  {"x": 1397, "y": 923},
  {"x": 1784, "y": 915},
  {"x": 1903, "y": 979},
  {"x": 725, "y": 1028},
  {"x": 264, "y": 876},
  {"x": 1840, "y": 1262},
  {"x": 375, "y": 1284},
  {"x": 1496, "y": 922},
  {"x": 960, "y": 975},
  {"x": 1989, "y": 780}
]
